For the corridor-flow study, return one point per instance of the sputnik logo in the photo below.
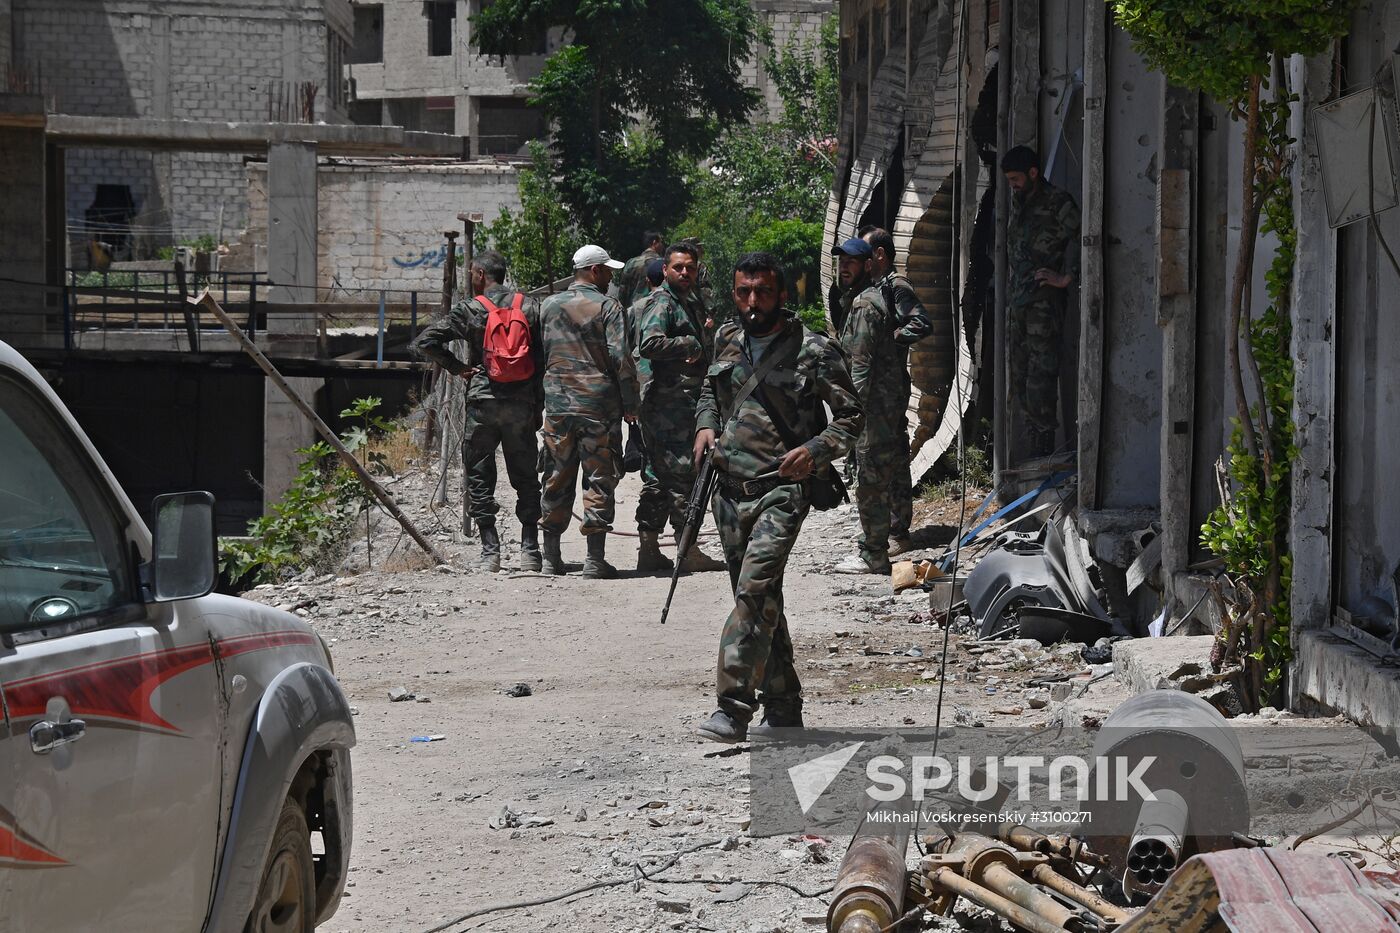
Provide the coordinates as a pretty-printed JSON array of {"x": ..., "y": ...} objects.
[{"x": 810, "y": 779}]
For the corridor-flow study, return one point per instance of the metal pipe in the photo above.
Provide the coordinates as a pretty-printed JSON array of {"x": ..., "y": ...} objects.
[
  {"x": 872, "y": 880},
  {"x": 1020, "y": 916},
  {"x": 1004, "y": 880},
  {"x": 1092, "y": 900},
  {"x": 1154, "y": 851}
]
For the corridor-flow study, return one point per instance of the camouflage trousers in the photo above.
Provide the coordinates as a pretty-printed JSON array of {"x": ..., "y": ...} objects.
[
  {"x": 575, "y": 443},
  {"x": 511, "y": 426},
  {"x": 668, "y": 427},
  {"x": 884, "y": 498},
  {"x": 755, "y": 649},
  {"x": 1033, "y": 330}
]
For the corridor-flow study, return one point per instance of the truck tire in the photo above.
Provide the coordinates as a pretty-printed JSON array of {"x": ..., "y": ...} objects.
[{"x": 286, "y": 900}]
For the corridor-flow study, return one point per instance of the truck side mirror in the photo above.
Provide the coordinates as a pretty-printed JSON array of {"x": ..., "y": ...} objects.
[{"x": 185, "y": 550}]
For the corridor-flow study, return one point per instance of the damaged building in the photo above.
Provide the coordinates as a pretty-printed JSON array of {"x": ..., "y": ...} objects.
[{"x": 934, "y": 90}]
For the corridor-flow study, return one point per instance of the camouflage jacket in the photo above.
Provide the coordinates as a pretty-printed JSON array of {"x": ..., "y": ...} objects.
[
  {"x": 467, "y": 322},
  {"x": 878, "y": 370},
  {"x": 634, "y": 340},
  {"x": 749, "y": 446},
  {"x": 670, "y": 331},
  {"x": 588, "y": 367},
  {"x": 1043, "y": 234},
  {"x": 631, "y": 284},
  {"x": 911, "y": 320}
]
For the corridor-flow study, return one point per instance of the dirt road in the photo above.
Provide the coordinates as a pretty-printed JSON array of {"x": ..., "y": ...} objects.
[{"x": 598, "y": 766}]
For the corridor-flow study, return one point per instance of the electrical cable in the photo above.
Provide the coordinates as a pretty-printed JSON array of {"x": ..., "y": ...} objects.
[
  {"x": 962, "y": 440},
  {"x": 639, "y": 874}
]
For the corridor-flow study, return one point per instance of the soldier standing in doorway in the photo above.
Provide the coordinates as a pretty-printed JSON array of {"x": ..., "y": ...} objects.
[
  {"x": 881, "y": 381},
  {"x": 762, "y": 495},
  {"x": 912, "y": 324},
  {"x": 675, "y": 344},
  {"x": 590, "y": 388},
  {"x": 1042, "y": 259},
  {"x": 504, "y": 414}
]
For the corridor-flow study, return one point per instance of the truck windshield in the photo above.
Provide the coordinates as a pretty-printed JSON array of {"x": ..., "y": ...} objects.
[{"x": 61, "y": 547}]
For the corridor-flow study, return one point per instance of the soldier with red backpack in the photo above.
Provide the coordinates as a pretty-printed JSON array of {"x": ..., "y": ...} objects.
[{"x": 504, "y": 371}]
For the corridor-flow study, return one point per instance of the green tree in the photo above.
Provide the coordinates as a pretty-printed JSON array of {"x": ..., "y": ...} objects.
[
  {"x": 643, "y": 88},
  {"x": 539, "y": 239},
  {"x": 1233, "y": 50},
  {"x": 768, "y": 183}
]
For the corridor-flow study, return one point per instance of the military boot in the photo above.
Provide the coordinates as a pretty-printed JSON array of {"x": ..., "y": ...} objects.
[
  {"x": 595, "y": 567},
  {"x": 530, "y": 559},
  {"x": 490, "y": 559},
  {"x": 722, "y": 727},
  {"x": 785, "y": 716},
  {"x": 901, "y": 544},
  {"x": 553, "y": 563},
  {"x": 649, "y": 556},
  {"x": 696, "y": 560}
]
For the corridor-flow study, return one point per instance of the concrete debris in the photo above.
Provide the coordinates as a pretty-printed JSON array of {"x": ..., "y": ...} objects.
[
  {"x": 673, "y": 906},
  {"x": 400, "y": 695},
  {"x": 732, "y": 892},
  {"x": 519, "y": 690}
]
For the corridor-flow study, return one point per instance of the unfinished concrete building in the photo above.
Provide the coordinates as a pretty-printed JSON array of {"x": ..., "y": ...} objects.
[
  {"x": 412, "y": 65},
  {"x": 251, "y": 61},
  {"x": 934, "y": 90}
]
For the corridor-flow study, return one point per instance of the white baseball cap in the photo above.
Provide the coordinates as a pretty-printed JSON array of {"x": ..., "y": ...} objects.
[{"x": 590, "y": 255}]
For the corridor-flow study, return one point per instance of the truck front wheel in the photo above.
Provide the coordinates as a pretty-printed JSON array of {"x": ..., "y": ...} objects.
[{"x": 287, "y": 894}]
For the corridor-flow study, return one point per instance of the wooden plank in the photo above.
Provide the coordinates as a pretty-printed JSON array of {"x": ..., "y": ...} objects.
[
  {"x": 1091, "y": 283},
  {"x": 1176, "y": 315},
  {"x": 207, "y": 302}
]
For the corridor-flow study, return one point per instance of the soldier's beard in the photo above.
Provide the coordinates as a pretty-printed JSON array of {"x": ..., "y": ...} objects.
[{"x": 757, "y": 323}]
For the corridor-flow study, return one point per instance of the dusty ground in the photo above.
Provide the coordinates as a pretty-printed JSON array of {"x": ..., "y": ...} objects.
[{"x": 602, "y": 752}]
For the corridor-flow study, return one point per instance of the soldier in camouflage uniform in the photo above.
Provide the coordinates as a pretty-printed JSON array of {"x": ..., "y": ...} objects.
[
  {"x": 631, "y": 284},
  {"x": 590, "y": 387},
  {"x": 912, "y": 324},
  {"x": 499, "y": 414},
  {"x": 675, "y": 345},
  {"x": 703, "y": 294},
  {"x": 882, "y": 383},
  {"x": 761, "y": 499},
  {"x": 1042, "y": 263}
]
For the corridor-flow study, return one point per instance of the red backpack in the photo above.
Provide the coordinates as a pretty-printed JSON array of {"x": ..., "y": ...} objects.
[{"x": 507, "y": 342}]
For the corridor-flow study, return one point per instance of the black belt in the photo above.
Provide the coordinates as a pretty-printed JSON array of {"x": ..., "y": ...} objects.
[{"x": 750, "y": 488}]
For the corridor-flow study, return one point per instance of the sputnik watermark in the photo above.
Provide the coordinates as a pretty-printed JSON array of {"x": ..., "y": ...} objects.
[{"x": 1118, "y": 778}]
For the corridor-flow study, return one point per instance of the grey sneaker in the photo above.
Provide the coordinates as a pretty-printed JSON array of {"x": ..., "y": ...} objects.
[
  {"x": 859, "y": 563},
  {"x": 722, "y": 727}
]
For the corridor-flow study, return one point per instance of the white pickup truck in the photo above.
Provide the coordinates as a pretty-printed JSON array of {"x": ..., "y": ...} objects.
[{"x": 169, "y": 759}]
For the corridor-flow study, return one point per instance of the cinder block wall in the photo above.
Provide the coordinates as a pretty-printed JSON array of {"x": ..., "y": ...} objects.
[
  {"x": 381, "y": 223},
  {"x": 173, "y": 60},
  {"x": 791, "y": 21}
]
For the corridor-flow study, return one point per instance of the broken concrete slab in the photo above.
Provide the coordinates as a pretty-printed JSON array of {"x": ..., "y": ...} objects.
[
  {"x": 1339, "y": 675},
  {"x": 1143, "y": 664}
]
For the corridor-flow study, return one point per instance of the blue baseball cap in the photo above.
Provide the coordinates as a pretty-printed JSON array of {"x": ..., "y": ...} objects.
[{"x": 854, "y": 247}]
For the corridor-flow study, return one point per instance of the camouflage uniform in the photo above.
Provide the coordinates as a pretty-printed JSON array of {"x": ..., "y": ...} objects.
[
  {"x": 881, "y": 378},
  {"x": 504, "y": 414},
  {"x": 914, "y": 324},
  {"x": 631, "y": 285},
  {"x": 759, "y": 526},
  {"x": 1043, "y": 234},
  {"x": 590, "y": 382},
  {"x": 670, "y": 330}
]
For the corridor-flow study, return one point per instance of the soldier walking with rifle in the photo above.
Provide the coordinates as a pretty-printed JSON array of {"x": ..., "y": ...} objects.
[{"x": 760, "y": 426}]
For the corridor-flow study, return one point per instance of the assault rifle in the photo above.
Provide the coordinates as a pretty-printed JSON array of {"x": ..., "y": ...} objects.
[{"x": 695, "y": 508}]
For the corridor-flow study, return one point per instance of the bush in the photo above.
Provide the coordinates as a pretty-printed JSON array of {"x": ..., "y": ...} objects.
[{"x": 308, "y": 529}]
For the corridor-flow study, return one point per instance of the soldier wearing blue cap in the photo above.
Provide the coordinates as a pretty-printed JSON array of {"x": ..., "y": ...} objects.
[{"x": 867, "y": 335}]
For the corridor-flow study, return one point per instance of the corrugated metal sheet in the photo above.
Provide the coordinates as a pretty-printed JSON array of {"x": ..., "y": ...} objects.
[{"x": 1270, "y": 891}]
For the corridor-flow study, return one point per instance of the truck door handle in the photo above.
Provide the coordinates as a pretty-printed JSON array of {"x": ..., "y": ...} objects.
[{"x": 45, "y": 736}]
